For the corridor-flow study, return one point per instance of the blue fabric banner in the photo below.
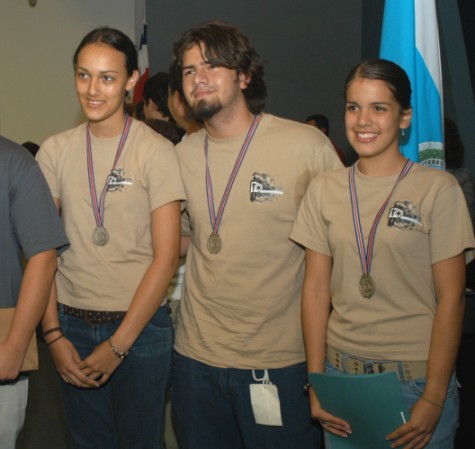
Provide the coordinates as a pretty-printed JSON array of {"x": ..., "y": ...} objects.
[{"x": 410, "y": 38}]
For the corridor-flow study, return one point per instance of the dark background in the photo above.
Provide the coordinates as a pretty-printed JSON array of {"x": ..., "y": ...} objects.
[{"x": 310, "y": 45}]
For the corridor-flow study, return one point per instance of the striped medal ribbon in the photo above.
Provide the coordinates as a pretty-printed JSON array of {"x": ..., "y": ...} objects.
[
  {"x": 366, "y": 285},
  {"x": 214, "y": 241},
  {"x": 100, "y": 235}
]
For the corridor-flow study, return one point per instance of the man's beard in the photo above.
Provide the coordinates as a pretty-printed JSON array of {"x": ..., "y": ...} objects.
[{"x": 204, "y": 110}]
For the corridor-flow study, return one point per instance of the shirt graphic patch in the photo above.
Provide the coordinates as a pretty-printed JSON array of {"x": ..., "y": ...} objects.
[
  {"x": 263, "y": 188},
  {"x": 117, "y": 180},
  {"x": 404, "y": 215}
]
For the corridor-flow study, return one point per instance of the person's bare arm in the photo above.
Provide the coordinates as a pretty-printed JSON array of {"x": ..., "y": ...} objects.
[
  {"x": 32, "y": 301},
  {"x": 316, "y": 302},
  {"x": 449, "y": 280}
]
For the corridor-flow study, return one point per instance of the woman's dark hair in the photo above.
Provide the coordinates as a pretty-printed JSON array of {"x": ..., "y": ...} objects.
[
  {"x": 224, "y": 45},
  {"x": 115, "y": 39},
  {"x": 383, "y": 70}
]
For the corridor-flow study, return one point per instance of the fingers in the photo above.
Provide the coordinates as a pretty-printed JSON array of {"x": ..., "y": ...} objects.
[
  {"x": 74, "y": 376},
  {"x": 92, "y": 372},
  {"x": 98, "y": 375},
  {"x": 336, "y": 428},
  {"x": 331, "y": 423},
  {"x": 68, "y": 361},
  {"x": 416, "y": 433},
  {"x": 412, "y": 440}
]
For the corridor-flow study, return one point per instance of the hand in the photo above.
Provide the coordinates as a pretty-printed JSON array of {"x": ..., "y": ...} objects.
[
  {"x": 328, "y": 421},
  {"x": 100, "y": 364},
  {"x": 416, "y": 433},
  {"x": 67, "y": 361},
  {"x": 10, "y": 362}
]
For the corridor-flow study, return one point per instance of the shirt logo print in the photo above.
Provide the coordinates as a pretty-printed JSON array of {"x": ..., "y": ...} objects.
[
  {"x": 262, "y": 188},
  {"x": 117, "y": 180},
  {"x": 404, "y": 215}
]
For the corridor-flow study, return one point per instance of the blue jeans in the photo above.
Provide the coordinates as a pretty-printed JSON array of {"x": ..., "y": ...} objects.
[
  {"x": 212, "y": 408},
  {"x": 443, "y": 437},
  {"x": 128, "y": 412}
]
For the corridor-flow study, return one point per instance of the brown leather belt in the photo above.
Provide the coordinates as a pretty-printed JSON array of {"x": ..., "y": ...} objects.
[
  {"x": 92, "y": 316},
  {"x": 405, "y": 371}
]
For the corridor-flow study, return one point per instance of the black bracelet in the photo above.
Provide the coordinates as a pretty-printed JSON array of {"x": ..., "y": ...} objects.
[
  {"x": 50, "y": 331},
  {"x": 56, "y": 339}
]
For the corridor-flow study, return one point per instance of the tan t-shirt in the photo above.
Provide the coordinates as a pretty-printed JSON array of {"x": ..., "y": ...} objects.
[
  {"x": 146, "y": 177},
  {"x": 426, "y": 221},
  {"x": 241, "y": 307}
]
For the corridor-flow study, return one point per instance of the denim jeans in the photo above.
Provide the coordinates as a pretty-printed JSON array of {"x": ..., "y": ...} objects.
[
  {"x": 443, "y": 437},
  {"x": 128, "y": 412},
  {"x": 212, "y": 408}
]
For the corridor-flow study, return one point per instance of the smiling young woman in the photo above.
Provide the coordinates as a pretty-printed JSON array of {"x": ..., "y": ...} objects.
[
  {"x": 386, "y": 244},
  {"x": 118, "y": 186},
  {"x": 374, "y": 119},
  {"x": 101, "y": 84}
]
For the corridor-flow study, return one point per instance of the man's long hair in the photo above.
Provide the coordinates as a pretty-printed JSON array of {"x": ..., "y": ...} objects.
[{"x": 224, "y": 45}]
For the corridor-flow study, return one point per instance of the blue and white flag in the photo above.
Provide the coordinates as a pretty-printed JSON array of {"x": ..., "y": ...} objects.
[{"x": 410, "y": 38}]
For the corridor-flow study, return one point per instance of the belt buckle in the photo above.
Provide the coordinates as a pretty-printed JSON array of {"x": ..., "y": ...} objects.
[
  {"x": 377, "y": 367},
  {"x": 389, "y": 367}
]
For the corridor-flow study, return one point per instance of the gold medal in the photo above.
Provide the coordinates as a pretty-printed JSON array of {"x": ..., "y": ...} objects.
[
  {"x": 214, "y": 243},
  {"x": 367, "y": 287},
  {"x": 100, "y": 236}
]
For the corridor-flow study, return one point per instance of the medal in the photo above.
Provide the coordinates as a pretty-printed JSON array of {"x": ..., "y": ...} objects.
[
  {"x": 100, "y": 236},
  {"x": 366, "y": 285},
  {"x": 214, "y": 243}
]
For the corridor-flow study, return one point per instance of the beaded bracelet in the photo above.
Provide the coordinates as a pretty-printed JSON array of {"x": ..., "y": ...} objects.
[{"x": 121, "y": 355}]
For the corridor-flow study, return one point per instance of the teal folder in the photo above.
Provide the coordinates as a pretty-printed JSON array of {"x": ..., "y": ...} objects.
[{"x": 373, "y": 404}]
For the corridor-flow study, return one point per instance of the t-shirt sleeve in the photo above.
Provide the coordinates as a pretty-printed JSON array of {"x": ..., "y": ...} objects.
[
  {"x": 451, "y": 230},
  {"x": 47, "y": 161},
  {"x": 37, "y": 225},
  {"x": 163, "y": 173},
  {"x": 309, "y": 228},
  {"x": 327, "y": 158}
]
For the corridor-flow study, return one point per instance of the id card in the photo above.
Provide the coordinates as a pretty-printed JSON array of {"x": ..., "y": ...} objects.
[{"x": 265, "y": 402}]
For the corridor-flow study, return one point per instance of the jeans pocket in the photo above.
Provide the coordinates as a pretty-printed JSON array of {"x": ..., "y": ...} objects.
[
  {"x": 156, "y": 338},
  {"x": 417, "y": 386},
  {"x": 63, "y": 322}
]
